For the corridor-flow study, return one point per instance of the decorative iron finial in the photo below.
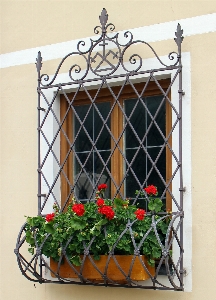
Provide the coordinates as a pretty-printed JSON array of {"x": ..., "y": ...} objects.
[
  {"x": 39, "y": 61},
  {"x": 179, "y": 38},
  {"x": 103, "y": 19}
]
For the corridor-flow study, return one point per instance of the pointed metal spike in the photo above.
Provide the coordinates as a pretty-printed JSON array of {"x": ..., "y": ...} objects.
[
  {"x": 39, "y": 61},
  {"x": 103, "y": 18},
  {"x": 179, "y": 37}
]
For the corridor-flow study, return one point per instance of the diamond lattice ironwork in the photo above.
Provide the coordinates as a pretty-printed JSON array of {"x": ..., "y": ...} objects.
[{"x": 120, "y": 133}]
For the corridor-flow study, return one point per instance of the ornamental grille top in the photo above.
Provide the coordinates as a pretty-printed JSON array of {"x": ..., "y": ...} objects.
[{"x": 104, "y": 62}]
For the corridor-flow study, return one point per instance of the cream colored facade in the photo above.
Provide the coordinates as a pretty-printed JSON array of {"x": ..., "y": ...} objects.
[{"x": 54, "y": 27}]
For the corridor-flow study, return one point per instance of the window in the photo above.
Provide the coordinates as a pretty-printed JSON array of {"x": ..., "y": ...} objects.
[{"x": 117, "y": 136}]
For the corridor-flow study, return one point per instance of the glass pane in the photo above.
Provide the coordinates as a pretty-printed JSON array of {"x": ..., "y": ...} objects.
[
  {"x": 94, "y": 167},
  {"x": 83, "y": 179},
  {"x": 101, "y": 172},
  {"x": 82, "y": 141},
  {"x": 93, "y": 153},
  {"x": 141, "y": 121},
  {"x": 103, "y": 141},
  {"x": 137, "y": 121},
  {"x": 154, "y": 136},
  {"x": 139, "y": 168},
  {"x": 154, "y": 177}
]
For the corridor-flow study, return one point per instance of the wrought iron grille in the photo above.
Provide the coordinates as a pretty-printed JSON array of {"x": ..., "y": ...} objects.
[{"x": 108, "y": 124}]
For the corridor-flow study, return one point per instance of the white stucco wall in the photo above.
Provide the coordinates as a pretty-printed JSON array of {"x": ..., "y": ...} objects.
[{"x": 29, "y": 26}]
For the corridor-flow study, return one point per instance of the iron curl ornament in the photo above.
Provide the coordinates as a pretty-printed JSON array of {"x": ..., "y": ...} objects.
[
  {"x": 108, "y": 58},
  {"x": 106, "y": 55}
]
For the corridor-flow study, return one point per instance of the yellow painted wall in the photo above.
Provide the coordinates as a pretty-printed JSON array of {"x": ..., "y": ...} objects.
[{"x": 29, "y": 24}]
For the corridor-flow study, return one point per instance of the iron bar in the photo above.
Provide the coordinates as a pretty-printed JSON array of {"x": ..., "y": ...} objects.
[{"x": 38, "y": 66}]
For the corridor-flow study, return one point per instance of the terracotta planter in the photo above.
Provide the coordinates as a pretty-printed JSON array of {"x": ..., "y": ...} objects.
[{"x": 113, "y": 272}]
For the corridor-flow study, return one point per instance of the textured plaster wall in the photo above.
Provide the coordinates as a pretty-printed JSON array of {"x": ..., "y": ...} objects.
[{"x": 27, "y": 24}]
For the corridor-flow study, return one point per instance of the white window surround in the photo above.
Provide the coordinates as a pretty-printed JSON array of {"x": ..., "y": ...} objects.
[{"x": 51, "y": 127}]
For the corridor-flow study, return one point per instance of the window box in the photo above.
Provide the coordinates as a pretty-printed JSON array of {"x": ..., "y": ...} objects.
[{"x": 116, "y": 268}]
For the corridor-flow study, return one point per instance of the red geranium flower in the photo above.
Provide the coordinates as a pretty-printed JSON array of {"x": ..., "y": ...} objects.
[
  {"x": 100, "y": 202},
  {"x": 79, "y": 209},
  {"x": 107, "y": 211},
  {"x": 140, "y": 213},
  {"x": 151, "y": 190},
  {"x": 102, "y": 186},
  {"x": 50, "y": 217}
]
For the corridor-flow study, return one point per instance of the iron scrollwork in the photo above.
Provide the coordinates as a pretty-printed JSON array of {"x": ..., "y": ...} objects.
[{"x": 103, "y": 61}]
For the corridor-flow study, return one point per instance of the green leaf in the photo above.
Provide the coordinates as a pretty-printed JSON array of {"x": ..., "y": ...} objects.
[
  {"x": 72, "y": 247},
  {"x": 120, "y": 202},
  {"x": 151, "y": 262},
  {"x": 95, "y": 230},
  {"x": 152, "y": 238},
  {"x": 49, "y": 228},
  {"x": 35, "y": 221},
  {"x": 96, "y": 256},
  {"x": 163, "y": 227},
  {"x": 31, "y": 250},
  {"x": 155, "y": 204},
  {"x": 30, "y": 221},
  {"x": 158, "y": 204},
  {"x": 76, "y": 260},
  {"x": 151, "y": 205},
  {"x": 102, "y": 222},
  {"x": 28, "y": 233},
  {"x": 29, "y": 238},
  {"x": 77, "y": 224},
  {"x": 156, "y": 252}
]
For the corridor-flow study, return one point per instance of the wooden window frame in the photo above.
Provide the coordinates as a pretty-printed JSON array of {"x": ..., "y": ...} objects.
[{"x": 81, "y": 98}]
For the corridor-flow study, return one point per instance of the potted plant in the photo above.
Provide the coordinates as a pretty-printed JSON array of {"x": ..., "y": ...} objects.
[{"x": 116, "y": 238}]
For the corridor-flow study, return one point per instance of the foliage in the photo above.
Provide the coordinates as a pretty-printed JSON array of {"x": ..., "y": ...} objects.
[{"x": 100, "y": 226}]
